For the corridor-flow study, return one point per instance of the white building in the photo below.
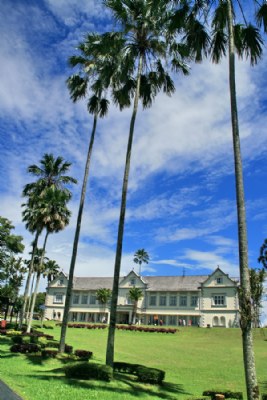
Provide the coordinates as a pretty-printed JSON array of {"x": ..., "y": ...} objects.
[{"x": 199, "y": 300}]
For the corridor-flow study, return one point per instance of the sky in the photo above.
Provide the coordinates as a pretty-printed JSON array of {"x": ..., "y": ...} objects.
[{"x": 181, "y": 203}]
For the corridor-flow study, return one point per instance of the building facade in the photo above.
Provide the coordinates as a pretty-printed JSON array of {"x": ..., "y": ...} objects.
[{"x": 196, "y": 300}]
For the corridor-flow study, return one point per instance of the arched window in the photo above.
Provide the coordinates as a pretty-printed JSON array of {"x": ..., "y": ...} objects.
[{"x": 215, "y": 321}]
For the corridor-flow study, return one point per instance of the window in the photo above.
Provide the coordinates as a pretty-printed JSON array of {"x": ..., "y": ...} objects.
[
  {"x": 153, "y": 300},
  {"x": 82, "y": 316},
  {"x": 173, "y": 300},
  {"x": 93, "y": 299},
  {"x": 60, "y": 282},
  {"x": 84, "y": 299},
  {"x": 218, "y": 300},
  {"x": 183, "y": 301},
  {"x": 172, "y": 320},
  {"x": 194, "y": 301},
  {"x": 219, "y": 280},
  {"x": 162, "y": 301},
  {"x": 58, "y": 298},
  {"x": 132, "y": 281},
  {"x": 76, "y": 299}
]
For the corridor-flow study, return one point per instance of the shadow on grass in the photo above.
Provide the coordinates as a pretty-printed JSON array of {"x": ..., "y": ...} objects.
[
  {"x": 132, "y": 387},
  {"x": 263, "y": 386}
]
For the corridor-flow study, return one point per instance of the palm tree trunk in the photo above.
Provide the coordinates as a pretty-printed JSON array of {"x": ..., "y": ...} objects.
[
  {"x": 29, "y": 302},
  {"x": 115, "y": 289},
  {"x": 244, "y": 295},
  {"x": 37, "y": 285},
  {"x": 27, "y": 286},
  {"x": 76, "y": 241}
]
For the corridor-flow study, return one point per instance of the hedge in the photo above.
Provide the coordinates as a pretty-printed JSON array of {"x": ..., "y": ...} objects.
[
  {"x": 144, "y": 374},
  {"x": 25, "y": 348},
  {"x": 227, "y": 394},
  {"x": 89, "y": 371}
]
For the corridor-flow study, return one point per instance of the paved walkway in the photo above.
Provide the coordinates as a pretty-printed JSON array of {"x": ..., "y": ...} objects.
[{"x": 6, "y": 393}]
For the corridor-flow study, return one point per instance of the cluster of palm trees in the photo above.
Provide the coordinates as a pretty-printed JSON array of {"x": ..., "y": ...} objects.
[
  {"x": 45, "y": 210},
  {"x": 131, "y": 65}
]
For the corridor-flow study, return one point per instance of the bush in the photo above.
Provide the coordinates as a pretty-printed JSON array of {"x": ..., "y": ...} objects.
[
  {"x": 25, "y": 348},
  {"x": 126, "y": 368},
  {"x": 150, "y": 375},
  {"x": 89, "y": 371},
  {"x": 227, "y": 394},
  {"x": 264, "y": 396},
  {"x": 49, "y": 353},
  {"x": 83, "y": 355},
  {"x": 12, "y": 332},
  {"x": 17, "y": 339}
]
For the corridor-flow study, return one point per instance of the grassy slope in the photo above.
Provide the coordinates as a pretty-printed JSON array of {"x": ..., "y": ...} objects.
[{"x": 194, "y": 360}]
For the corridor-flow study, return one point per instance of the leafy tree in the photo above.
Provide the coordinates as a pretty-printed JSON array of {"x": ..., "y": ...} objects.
[
  {"x": 140, "y": 257},
  {"x": 40, "y": 300},
  {"x": 135, "y": 295},
  {"x": 103, "y": 295},
  {"x": 51, "y": 181},
  {"x": 141, "y": 75},
  {"x": 263, "y": 254},
  {"x": 257, "y": 277},
  {"x": 86, "y": 83}
]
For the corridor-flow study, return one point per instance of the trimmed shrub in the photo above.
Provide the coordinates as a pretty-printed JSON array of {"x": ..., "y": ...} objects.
[
  {"x": 89, "y": 371},
  {"x": 25, "y": 348},
  {"x": 17, "y": 339},
  {"x": 48, "y": 353},
  {"x": 150, "y": 375},
  {"x": 227, "y": 394},
  {"x": 83, "y": 355},
  {"x": 126, "y": 368},
  {"x": 12, "y": 332}
]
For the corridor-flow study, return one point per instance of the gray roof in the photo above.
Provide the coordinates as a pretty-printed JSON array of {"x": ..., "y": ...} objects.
[
  {"x": 154, "y": 283},
  {"x": 92, "y": 283},
  {"x": 174, "y": 283}
]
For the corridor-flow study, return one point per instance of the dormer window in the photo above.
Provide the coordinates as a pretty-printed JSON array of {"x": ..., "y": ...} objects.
[
  {"x": 60, "y": 282},
  {"x": 132, "y": 281},
  {"x": 219, "y": 280}
]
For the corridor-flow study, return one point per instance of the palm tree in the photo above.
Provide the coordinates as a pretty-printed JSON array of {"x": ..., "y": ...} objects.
[
  {"x": 243, "y": 40},
  {"x": 79, "y": 85},
  {"x": 263, "y": 254},
  {"x": 56, "y": 216},
  {"x": 50, "y": 174},
  {"x": 135, "y": 295},
  {"x": 141, "y": 75},
  {"x": 103, "y": 295},
  {"x": 52, "y": 270},
  {"x": 140, "y": 257}
]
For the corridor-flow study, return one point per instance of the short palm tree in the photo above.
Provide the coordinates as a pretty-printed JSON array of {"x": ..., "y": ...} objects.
[
  {"x": 103, "y": 295},
  {"x": 141, "y": 75},
  {"x": 52, "y": 270},
  {"x": 140, "y": 257},
  {"x": 135, "y": 295},
  {"x": 50, "y": 174}
]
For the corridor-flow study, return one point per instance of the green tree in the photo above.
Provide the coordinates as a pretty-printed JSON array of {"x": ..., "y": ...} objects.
[
  {"x": 244, "y": 40},
  {"x": 140, "y": 257},
  {"x": 135, "y": 295},
  {"x": 40, "y": 301},
  {"x": 51, "y": 174},
  {"x": 263, "y": 254},
  {"x": 103, "y": 295},
  {"x": 257, "y": 277},
  {"x": 87, "y": 83},
  {"x": 141, "y": 75}
]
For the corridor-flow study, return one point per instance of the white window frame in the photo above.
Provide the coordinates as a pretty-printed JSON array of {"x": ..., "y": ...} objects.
[
  {"x": 194, "y": 301},
  {"x": 219, "y": 280},
  {"x": 154, "y": 298},
  {"x": 83, "y": 299},
  {"x": 92, "y": 299},
  {"x": 173, "y": 301},
  {"x": 183, "y": 301},
  {"x": 58, "y": 298},
  {"x": 219, "y": 300},
  {"x": 76, "y": 299},
  {"x": 163, "y": 300}
]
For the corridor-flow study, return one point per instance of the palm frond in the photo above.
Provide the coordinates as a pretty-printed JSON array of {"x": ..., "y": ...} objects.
[
  {"x": 261, "y": 16},
  {"x": 252, "y": 43},
  {"x": 218, "y": 45},
  {"x": 198, "y": 40},
  {"x": 77, "y": 86}
]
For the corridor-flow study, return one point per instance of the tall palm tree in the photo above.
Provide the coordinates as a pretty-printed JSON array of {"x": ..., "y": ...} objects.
[
  {"x": 135, "y": 295},
  {"x": 245, "y": 41},
  {"x": 103, "y": 295},
  {"x": 140, "y": 257},
  {"x": 87, "y": 82},
  {"x": 50, "y": 174},
  {"x": 141, "y": 75}
]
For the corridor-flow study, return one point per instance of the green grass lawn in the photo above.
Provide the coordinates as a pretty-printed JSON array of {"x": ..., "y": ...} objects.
[{"x": 194, "y": 359}]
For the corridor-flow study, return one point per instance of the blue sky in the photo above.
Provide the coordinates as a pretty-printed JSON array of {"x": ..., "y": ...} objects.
[{"x": 181, "y": 202}]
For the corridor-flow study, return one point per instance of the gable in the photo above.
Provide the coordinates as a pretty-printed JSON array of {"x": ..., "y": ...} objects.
[
  {"x": 60, "y": 281},
  {"x": 218, "y": 279},
  {"x": 132, "y": 280}
]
